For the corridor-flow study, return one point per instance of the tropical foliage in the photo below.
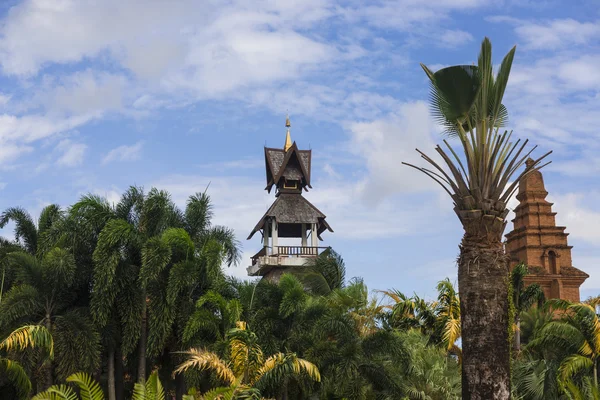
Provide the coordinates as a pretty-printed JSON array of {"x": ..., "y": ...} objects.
[{"x": 97, "y": 294}]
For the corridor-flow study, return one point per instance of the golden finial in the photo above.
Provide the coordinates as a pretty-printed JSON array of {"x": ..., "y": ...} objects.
[{"x": 288, "y": 138}]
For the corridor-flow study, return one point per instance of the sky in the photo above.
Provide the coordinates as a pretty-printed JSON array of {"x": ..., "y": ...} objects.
[{"x": 183, "y": 95}]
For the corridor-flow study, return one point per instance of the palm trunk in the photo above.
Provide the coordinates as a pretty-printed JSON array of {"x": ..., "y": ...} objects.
[
  {"x": 596, "y": 372},
  {"x": 142, "y": 344},
  {"x": 111, "y": 373},
  {"x": 180, "y": 388},
  {"x": 483, "y": 287},
  {"x": 49, "y": 380},
  {"x": 119, "y": 374},
  {"x": 517, "y": 337}
]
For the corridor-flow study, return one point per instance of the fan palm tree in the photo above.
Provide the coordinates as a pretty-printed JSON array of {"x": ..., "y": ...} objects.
[
  {"x": 247, "y": 368},
  {"x": 28, "y": 336},
  {"x": 467, "y": 100},
  {"x": 431, "y": 373},
  {"x": 523, "y": 298}
]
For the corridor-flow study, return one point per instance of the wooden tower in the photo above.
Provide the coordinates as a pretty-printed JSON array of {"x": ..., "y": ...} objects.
[
  {"x": 291, "y": 216},
  {"x": 539, "y": 243}
]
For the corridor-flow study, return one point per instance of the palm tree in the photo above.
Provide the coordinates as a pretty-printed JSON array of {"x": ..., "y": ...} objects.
[
  {"x": 147, "y": 253},
  {"x": 247, "y": 368},
  {"x": 28, "y": 336},
  {"x": 44, "y": 293},
  {"x": 409, "y": 312},
  {"x": 447, "y": 314},
  {"x": 523, "y": 298},
  {"x": 579, "y": 332},
  {"x": 467, "y": 100},
  {"x": 431, "y": 373}
]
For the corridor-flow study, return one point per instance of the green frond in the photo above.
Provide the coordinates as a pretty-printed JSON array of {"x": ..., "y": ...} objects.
[
  {"x": 180, "y": 242},
  {"x": 228, "y": 241},
  {"x": 77, "y": 343},
  {"x": 27, "y": 267},
  {"x": 15, "y": 374},
  {"x": 58, "y": 268},
  {"x": 161, "y": 316},
  {"x": 25, "y": 229},
  {"x": 294, "y": 295},
  {"x": 453, "y": 93},
  {"x": 48, "y": 217},
  {"x": 89, "y": 389},
  {"x": 115, "y": 235},
  {"x": 156, "y": 254},
  {"x": 57, "y": 392},
  {"x": 157, "y": 213},
  {"x": 198, "y": 214},
  {"x": 20, "y": 302},
  {"x": 130, "y": 205},
  {"x": 154, "y": 388},
  {"x": 573, "y": 364}
]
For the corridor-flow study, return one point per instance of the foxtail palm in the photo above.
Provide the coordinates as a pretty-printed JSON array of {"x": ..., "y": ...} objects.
[
  {"x": 43, "y": 292},
  {"x": 467, "y": 100}
]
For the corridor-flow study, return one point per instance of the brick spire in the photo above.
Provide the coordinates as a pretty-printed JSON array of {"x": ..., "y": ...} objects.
[{"x": 539, "y": 243}]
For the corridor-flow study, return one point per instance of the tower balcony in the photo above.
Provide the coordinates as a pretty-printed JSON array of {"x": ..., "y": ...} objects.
[{"x": 282, "y": 256}]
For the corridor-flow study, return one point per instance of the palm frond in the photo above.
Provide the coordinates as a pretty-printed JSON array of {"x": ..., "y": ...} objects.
[
  {"x": 15, "y": 373},
  {"x": 57, "y": 392},
  {"x": 19, "y": 302},
  {"x": 25, "y": 229},
  {"x": 198, "y": 214},
  {"x": 89, "y": 389},
  {"x": 29, "y": 336},
  {"x": 202, "y": 360},
  {"x": 573, "y": 364}
]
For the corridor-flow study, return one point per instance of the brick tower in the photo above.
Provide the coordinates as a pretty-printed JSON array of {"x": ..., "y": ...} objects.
[{"x": 539, "y": 243}]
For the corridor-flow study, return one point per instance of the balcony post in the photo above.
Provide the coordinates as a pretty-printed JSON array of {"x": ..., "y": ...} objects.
[
  {"x": 274, "y": 236},
  {"x": 313, "y": 235},
  {"x": 266, "y": 238},
  {"x": 304, "y": 240}
]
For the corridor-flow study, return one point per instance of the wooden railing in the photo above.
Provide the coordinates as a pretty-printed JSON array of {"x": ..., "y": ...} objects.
[
  {"x": 293, "y": 251},
  {"x": 297, "y": 250}
]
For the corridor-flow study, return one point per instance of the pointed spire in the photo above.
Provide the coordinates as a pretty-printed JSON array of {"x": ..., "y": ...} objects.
[{"x": 288, "y": 138}]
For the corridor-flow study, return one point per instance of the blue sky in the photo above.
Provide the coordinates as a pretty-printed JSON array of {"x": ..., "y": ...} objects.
[{"x": 97, "y": 96}]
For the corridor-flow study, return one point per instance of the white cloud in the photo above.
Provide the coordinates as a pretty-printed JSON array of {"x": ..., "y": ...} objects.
[
  {"x": 10, "y": 152},
  {"x": 84, "y": 92},
  {"x": 557, "y": 33},
  {"x": 124, "y": 153},
  {"x": 582, "y": 221},
  {"x": 386, "y": 142},
  {"x": 72, "y": 153},
  {"x": 454, "y": 38}
]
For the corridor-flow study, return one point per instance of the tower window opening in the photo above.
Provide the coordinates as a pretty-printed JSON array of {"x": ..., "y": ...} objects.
[{"x": 552, "y": 262}]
